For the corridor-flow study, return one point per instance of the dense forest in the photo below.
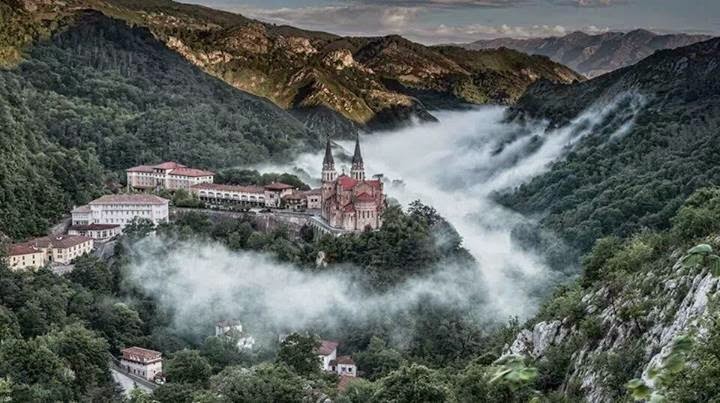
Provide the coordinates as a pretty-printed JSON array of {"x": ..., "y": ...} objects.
[
  {"x": 58, "y": 332},
  {"x": 99, "y": 97},
  {"x": 617, "y": 186}
]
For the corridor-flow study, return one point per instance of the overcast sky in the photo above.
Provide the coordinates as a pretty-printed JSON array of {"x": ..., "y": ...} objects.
[{"x": 441, "y": 21}]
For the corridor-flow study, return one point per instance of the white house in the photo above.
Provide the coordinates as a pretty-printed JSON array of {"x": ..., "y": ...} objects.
[
  {"x": 233, "y": 328},
  {"x": 330, "y": 362},
  {"x": 344, "y": 366},
  {"x": 121, "y": 209},
  {"x": 327, "y": 353},
  {"x": 141, "y": 362}
]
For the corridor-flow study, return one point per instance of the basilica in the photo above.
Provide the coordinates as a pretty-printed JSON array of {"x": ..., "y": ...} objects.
[{"x": 350, "y": 203}]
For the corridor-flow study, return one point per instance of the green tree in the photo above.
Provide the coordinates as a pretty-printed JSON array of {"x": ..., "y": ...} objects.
[
  {"x": 263, "y": 383},
  {"x": 300, "y": 353},
  {"x": 378, "y": 360},
  {"x": 414, "y": 384},
  {"x": 187, "y": 366}
]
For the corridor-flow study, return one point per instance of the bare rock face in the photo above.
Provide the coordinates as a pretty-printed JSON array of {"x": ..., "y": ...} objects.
[
  {"x": 684, "y": 294},
  {"x": 252, "y": 38},
  {"x": 201, "y": 59},
  {"x": 297, "y": 45},
  {"x": 534, "y": 343}
]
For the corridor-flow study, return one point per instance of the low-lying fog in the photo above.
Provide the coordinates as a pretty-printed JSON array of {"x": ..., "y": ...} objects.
[{"x": 455, "y": 165}]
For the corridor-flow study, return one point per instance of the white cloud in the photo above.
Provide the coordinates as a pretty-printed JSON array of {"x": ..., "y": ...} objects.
[{"x": 376, "y": 20}]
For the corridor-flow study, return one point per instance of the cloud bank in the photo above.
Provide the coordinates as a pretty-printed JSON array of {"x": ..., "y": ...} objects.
[{"x": 455, "y": 165}]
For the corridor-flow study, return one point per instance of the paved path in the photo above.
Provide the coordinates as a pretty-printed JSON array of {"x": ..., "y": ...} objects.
[{"x": 129, "y": 382}]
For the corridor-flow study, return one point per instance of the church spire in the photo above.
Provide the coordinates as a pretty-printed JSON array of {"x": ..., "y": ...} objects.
[
  {"x": 357, "y": 157},
  {"x": 328, "y": 160},
  {"x": 358, "y": 167},
  {"x": 328, "y": 169}
]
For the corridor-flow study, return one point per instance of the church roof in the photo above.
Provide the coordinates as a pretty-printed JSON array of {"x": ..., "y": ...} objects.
[
  {"x": 357, "y": 157},
  {"x": 346, "y": 182},
  {"x": 349, "y": 208}
]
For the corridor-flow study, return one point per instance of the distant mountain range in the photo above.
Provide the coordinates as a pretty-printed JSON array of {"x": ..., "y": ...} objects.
[
  {"x": 619, "y": 184},
  {"x": 593, "y": 55},
  {"x": 328, "y": 82}
]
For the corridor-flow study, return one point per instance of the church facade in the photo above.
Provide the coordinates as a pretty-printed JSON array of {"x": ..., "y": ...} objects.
[{"x": 350, "y": 203}]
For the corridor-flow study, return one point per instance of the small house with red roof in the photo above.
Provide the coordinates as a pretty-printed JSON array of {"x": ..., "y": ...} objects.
[
  {"x": 141, "y": 362},
  {"x": 330, "y": 362},
  {"x": 350, "y": 203}
]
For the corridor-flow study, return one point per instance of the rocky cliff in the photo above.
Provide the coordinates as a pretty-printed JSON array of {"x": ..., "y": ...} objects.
[{"x": 635, "y": 298}]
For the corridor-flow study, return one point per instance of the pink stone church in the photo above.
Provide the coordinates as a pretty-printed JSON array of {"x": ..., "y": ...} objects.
[{"x": 351, "y": 203}]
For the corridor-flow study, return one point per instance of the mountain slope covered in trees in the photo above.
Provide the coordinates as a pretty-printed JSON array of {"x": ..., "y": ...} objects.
[
  {"x": 593, "y": 55},
  {"x": 618, "y": 185},
  {"x": 327, "y": 81},
  {"x": 100, "y": 96}
]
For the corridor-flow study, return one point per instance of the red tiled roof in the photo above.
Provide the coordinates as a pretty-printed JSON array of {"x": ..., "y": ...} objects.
[
  {"x": 130, "y": 199},
  {"x": 169, "y": 165},
  {"x": 229, "y": 188},
  {"x": 139, "y": 354},
  {"x": 140, "y": 168},
  {"x": 279, "y": 186},
  {"x": 346, "y": 182},
  {"x": 192, "y": 172},
  {"x": 317, "y": 191},
  {"x": 22, "y": 249},
  {"x": 81, "y": 209},
  {"x": 327, "y": 347},
  {"x": 345, "y": 359},
  {"x": 376, "y": 183},
  {"x": 62, "y": 242},
  {"x": 349, "y": 208}
]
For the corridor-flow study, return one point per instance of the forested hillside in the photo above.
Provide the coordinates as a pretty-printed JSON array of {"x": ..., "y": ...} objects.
[
  {"x": 331, "y": 83},
  {"x": 99, "y": 97},
  {"x": 619, "y": 185}
]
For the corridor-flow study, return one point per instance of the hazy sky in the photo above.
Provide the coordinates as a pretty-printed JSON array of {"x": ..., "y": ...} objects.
[{"x": 434, "y": 21}]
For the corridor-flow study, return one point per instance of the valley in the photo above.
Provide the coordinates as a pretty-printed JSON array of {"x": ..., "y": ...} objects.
[{"x": 267, "y": 213}]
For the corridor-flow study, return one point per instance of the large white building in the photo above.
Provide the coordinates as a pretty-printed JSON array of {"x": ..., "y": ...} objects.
[
  {"x": 141, "y": 362},
  {"x": 168, "y": 175},
  {"x": 121, "y": 209}
]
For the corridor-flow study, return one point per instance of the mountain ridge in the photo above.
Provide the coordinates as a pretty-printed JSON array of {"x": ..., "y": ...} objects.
[
  {"x": 594, "y": 55},
  {"x": 375, "y": 83}
]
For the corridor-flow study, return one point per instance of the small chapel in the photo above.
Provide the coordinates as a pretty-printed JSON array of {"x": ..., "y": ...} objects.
[{"x": 350, "y": 203}]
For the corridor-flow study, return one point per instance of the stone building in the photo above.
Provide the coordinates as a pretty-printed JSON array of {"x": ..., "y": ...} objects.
[
  {"x": 168, "y": 175},
  {"x": 121, "y": 209},
  {"x": 351, "y": 203},
  {"x": 141, "y": 362},
  {"x": 244, "y": 196},
  {"x": 40, "y": 252}
]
